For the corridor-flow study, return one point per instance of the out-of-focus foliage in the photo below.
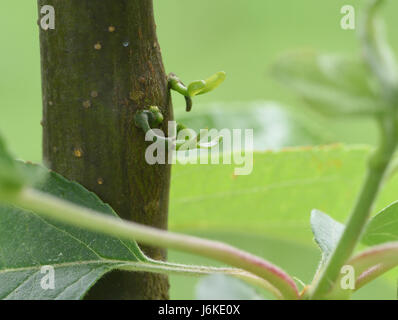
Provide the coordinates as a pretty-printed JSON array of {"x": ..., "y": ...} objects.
[
  {"x": 383, "y": 227},
  {"x": 331, "y": 84},
  {"x": 277, "y": 198}
]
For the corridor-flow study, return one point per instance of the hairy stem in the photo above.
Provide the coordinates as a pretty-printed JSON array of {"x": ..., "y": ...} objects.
[
  {"x": 374, "y": 262},
  {"x": 66, "y": 212}
]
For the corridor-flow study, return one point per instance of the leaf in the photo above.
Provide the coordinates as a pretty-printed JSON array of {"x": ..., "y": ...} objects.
[
  {"x": 214, "y": 82},
  {"x": 11, "y": 180},
  {"x": 327, "y": 232},
  {"x": 383, "y": 227},
  {"x": 274, "y": 126},
  {"x": 204, "y": 86},
  {"x": 196, "y": 87},
  {"x": 79, "y": 258},
  {"x": 333, "y": 85},
  {"x": 222, "y": 287},
  {"x": 275, "y": 199}
]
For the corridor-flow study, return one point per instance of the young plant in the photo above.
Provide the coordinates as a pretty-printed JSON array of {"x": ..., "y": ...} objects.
[
  {"x": 195, "y": 88},
  {"x": 150, "y": 119}
]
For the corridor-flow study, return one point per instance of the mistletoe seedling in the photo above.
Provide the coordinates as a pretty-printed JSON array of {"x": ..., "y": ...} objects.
[
  {"x": 195, "y": 88},
  {"x": 150, "y": 119}
]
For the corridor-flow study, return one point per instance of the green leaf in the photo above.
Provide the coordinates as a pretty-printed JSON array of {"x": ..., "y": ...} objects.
[
  {"x": 11, "y": 180},
  {"x": 222, "y": 287},
  {"x": 327, "y": 232},
  {"x": 275, "y": 199},
  {"x": 196, "y": 87},
  {"x": 79, "y": 258},
  {"x": 214, "y": 82},
  {"x": 267, "y": 212},
  {"x": 204, "y": 86},
  {"x": 333, "y": 85},
  {"x": 383, "y": 227}
]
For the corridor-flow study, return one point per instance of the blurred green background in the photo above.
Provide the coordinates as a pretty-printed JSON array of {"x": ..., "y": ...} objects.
[{"x": 198, "y": 38}]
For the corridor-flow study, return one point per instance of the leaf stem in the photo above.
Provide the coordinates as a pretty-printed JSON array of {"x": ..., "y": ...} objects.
[
  {"x": 369, "y": 265},
  {"x": 374, "y": 262},
  {"x": 173, "y": 268},
  {"x": 72, "y": 214}
]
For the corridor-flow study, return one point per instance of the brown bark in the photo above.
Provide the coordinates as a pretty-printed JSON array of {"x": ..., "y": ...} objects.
[{"x": 100, "y": 65}]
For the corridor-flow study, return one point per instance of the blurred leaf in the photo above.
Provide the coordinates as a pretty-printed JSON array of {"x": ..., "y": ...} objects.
[
  {"x": 222, "y": 287},
  {"x": 383, "y": 227},
  {"x": 333, "y": 85},
  {"x": 11, "y": 180},
  {"x": 199, "y": 87},
  {"x": 377, "y": 51},
  {"x": 79, "y": 257},
  {"x": 196, "y": 87},
  {"x": 274, "y": 126},
  {"x": 327, "y": 232},
  {"x": 275, "y": 198},
  {"x": 214, "y": 82}
]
